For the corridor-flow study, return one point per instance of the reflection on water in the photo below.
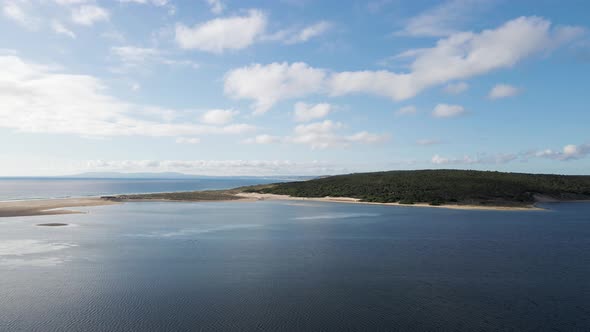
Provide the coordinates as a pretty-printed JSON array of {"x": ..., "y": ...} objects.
[{"x": 276, "y": 266}]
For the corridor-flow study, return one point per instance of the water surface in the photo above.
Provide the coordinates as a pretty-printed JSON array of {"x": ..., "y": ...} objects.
[{"x": 307, "y": 266}]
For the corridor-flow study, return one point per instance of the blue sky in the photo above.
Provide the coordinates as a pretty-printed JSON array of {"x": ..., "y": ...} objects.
[{"x": 223, "y": 87}]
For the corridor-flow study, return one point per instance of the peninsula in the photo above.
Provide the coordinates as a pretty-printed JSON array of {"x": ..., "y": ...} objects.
[{"x": 457, "y": 189}]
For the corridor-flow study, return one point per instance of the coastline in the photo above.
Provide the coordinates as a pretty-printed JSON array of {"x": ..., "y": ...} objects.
[
  {"x": 350, "y": 200},
  {"x": 23, "y": 208}
]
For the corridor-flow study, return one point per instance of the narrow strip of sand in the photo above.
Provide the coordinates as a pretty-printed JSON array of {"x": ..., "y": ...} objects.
[
  {"x": 48, "y": 206},
  {"x": 58, "y": 206},
  {"x": 351, "y": 200}
]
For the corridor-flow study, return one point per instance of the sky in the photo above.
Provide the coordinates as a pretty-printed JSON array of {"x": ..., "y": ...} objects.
[{"x": 293, "y": 87}]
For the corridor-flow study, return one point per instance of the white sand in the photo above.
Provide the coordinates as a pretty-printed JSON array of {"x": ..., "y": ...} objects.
[{"x": 358, "y": 201}]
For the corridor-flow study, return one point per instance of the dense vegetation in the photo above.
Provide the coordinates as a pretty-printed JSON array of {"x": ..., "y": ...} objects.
[{"x": 439, "y": 187}]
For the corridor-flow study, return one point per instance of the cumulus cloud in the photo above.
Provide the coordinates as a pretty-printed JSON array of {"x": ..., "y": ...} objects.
[
  {"x": 60, "y": 29},
  {"x": 321, "y": 135},
  {"x": 268, "y": 84},
  {"x": 503, "y": 91},
  {"x": 89, "y": 14},
  {"x": 456, "y": 88},
  {"x": 43, "y": 99},
  {"x": 306, "y": 112},
  {"x": 456, "y": 57},
  {"x": 221, "y": 34},
  {"x": 406, "y": 110},
  {"x": 218, "y": 116},
  {"x": 569, "y": 152},
  {"x": 447, "y": 111}
]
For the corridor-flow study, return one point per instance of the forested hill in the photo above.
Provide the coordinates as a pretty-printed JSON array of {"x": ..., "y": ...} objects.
[{"x": 440, "y": 187}]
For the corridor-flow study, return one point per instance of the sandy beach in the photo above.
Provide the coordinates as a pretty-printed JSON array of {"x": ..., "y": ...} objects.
[
  {"x": 61, "y": 206},
  {"x": 351, "y": 200},
  {"x": 48, "y": 206}
]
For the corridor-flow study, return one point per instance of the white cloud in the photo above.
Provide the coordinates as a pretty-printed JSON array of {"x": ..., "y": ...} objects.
[
  {"x": 306, "y": 112},
  {"x": 218, "y": 116},
  {"x": 216, "y": 167},
  {"x": 456, "y": 88},
  {"x": 569, "y": 152},
  {"x": 89, "y": 14},
  {"x": 60, "y": 29},
  {"x": 460, "y": 56},
  {"x": 321, "y": 135},
  {"x": 188, "y": 140},
  {"x": 133, "y": 56},
  {"x": 220, "y": 34},
  {"x": 268, "y": 84},
  {"x": 263, "y": 139},
  {"x": 43, "y": 99},
  {"x": 216, "y": 6},
  {"x": 480, "y": 159},
  {"x": 447, "y": 111},
  {"x": 295, "y": 36},
  {"x": 406, "y": 110},
  {"x": 15, "y": 11},
  {"x": 442, "y": 19},
  {"x": 503, "y": 91}
]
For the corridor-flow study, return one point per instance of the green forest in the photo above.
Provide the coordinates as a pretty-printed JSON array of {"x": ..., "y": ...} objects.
[{"x": 439, "y": 187}]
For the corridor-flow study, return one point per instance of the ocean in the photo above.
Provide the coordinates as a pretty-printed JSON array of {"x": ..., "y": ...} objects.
[
  {"x": 296, "y": 266},
  {"x": 42, "y": 188}
]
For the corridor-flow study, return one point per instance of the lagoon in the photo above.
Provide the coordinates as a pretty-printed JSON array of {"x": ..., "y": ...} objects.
[{"x": 292, "y": 265}]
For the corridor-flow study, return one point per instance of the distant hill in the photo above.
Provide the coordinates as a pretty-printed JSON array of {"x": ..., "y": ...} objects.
[
  {"x": 440, "y": 187},
  {"x": 121, "y": 175},
  {"x": 175, "y": 175}
]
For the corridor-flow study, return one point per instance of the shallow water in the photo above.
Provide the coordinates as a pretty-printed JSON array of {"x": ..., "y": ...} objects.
[{"x": 283, "y": 266}]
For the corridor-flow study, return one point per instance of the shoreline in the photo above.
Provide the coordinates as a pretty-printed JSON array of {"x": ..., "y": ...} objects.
[
  {"x": 59, "y": 206},
  {"x": 350, "y": 200}
]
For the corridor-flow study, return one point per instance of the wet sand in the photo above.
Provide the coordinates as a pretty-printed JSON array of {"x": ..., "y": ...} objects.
[{"x": 48, "y": 206}]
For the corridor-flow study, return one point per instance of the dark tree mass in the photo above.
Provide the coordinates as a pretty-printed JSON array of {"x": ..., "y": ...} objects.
[{"x": 440, "y": 187}]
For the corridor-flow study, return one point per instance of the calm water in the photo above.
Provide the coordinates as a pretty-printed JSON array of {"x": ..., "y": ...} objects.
[
  {"x": 296, "y": 266},
  {"x": 35, "y": 188}
]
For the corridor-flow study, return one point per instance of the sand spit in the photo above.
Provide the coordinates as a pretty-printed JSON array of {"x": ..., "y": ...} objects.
[{"x": 48, "y": 206}]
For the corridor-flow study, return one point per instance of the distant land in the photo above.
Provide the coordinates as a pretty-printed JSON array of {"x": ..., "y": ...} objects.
[
  {"x": 173, "y": 175},
  {"x": 431, "y": 187}
]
